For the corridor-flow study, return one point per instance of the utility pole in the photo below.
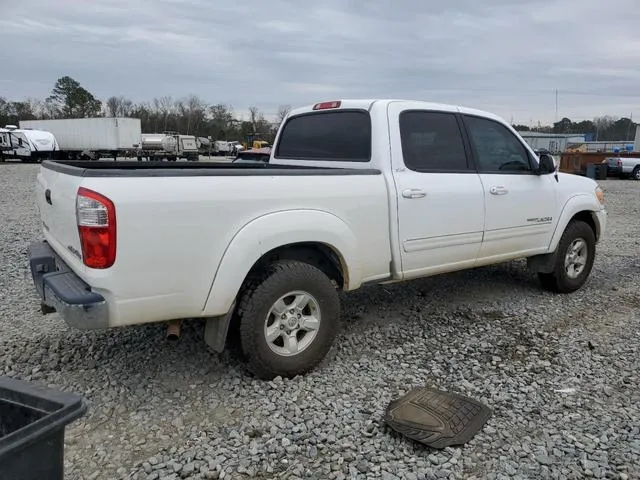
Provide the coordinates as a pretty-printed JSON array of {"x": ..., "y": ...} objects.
[{"x": 556, "y": 105}]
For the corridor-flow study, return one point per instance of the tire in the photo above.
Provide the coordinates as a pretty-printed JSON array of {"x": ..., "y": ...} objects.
[
  {"x": 636, "y": 173},
  {"x": 268, "y": 359},
  {"x": 566, "y": 279}
]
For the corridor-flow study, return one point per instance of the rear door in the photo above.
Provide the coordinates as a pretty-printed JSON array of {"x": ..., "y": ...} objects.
[
  {"x": 56, "y": 201},
  {"x": 520, "y": 205},
  {"x": 440, "y": 196}
]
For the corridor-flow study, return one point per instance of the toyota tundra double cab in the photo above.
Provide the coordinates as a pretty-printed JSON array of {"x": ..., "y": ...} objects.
[{"x": 355, "y": 192}]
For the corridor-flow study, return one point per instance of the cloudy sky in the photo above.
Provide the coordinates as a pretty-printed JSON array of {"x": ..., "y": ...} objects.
[{"x": 505, "y": 56}]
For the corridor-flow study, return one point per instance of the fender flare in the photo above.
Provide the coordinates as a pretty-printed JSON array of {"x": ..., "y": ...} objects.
[
  {"x": 578, "y": 203},
  {"x": 274, "y": 230}
]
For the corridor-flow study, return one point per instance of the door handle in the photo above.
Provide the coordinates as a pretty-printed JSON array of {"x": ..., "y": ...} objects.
[
  {"x": 498, "y": 190},
  {"x": 414, "y": 193}
]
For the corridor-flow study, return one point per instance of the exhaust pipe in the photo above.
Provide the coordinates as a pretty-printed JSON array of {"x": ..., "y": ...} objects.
[{"x": 173, "y": 330}]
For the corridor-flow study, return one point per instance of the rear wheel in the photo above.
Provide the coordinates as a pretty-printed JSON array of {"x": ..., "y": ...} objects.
[
  {"x": 636, "y": 173},
  {"x": 289, "y": 317},
  {"x": 574, "y": 259}
]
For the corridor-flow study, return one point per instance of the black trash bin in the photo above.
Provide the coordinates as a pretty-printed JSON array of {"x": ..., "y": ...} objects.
[{"x": 32, "y": 423}]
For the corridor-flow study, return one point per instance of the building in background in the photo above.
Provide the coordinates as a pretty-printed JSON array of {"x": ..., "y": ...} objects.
[
  {"x": 636, "y": 142},
  {"x": 553, "y": 142}
]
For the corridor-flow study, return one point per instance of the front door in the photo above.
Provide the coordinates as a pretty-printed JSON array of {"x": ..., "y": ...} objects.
[
  {"x": 520, "y": 205},
  {"x": 439, "y": 193}
]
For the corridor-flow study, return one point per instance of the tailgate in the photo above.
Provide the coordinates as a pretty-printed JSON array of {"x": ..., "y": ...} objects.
[{"x": 56, "y": 200}]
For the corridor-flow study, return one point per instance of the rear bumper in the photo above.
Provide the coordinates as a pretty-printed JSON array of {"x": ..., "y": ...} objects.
[
  {"x": 62, "y": 291},
  {"x": 614, "y": 171}
]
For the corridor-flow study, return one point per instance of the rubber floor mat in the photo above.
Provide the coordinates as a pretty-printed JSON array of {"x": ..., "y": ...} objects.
[{"x": 436, "y": 418}]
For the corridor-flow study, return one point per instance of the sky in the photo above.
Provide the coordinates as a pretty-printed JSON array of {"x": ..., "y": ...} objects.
[{"x": 508, "y": 57}]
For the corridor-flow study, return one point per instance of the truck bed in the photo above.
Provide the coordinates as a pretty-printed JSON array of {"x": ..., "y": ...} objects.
[
  {"x": 105, "y": 168},
  {"x": 181, "y": 225}
]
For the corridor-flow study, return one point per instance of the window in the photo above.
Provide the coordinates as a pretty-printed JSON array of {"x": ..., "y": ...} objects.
[
  {"x": 431, "y": 141},
  {"x": 339, "y": 136},
  {"x": 497, "y": 149}
]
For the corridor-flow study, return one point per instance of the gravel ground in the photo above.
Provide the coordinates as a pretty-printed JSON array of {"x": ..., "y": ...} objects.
[{"x": 561, "y": 374}]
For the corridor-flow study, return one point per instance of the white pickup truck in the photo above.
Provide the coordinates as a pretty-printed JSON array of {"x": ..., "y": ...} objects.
[
  {"x": 355, "y": 192},
  {"x": 623, "y": 167}
]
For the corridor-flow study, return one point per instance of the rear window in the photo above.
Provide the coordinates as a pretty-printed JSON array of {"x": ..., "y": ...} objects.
[{"x": 338, "y": 136}]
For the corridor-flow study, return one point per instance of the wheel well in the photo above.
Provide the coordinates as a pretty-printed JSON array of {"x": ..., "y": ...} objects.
[
  {"x": 587, "y": 217},
  {"x": 319, "y": 255}
]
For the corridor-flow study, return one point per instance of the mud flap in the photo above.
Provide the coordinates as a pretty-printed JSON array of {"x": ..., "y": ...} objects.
[
  {"x": 216, "y": 329},
  {"x": 542, "y": 263},
  {"x": 436, "y": 418}
]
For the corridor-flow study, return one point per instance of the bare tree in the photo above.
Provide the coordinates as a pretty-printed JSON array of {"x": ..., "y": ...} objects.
[
  {"x": 166, "y": 106},
  {"x": 22, "y": 110},
  {"x": 255, "y": 117},
  {"x": 221, "y": 120},
  {"x": 36, "y": 107},
  {"x": 156, "y": 113},
  {"x": 112, "y": 106},
  {"x": 194, "y": 109},
  {"x": 118, "y": 107},
  {"x": 49, "y": 109},
  {"x": 283, "y": 111},
  {"x": 603, "y": 123}
]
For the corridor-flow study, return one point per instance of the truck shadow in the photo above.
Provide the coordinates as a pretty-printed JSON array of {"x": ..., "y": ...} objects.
[
  {"x": 144, "y": 354},
  {"x": 138, "y": 356}
]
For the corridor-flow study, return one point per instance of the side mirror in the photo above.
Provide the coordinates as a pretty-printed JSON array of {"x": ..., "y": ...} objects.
[{"x": 546, "y": 165}]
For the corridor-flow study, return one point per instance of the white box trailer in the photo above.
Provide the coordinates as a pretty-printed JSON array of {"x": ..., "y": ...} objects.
[{"x": 91, "y": 137}]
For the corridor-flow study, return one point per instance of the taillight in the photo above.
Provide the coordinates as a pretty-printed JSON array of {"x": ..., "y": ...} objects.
[
  {"x": 96, "y": 216},
  {"x": 619, "y": 162}
]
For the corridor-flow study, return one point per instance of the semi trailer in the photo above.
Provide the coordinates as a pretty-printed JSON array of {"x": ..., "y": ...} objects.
[{"x": 91, "y": 138}]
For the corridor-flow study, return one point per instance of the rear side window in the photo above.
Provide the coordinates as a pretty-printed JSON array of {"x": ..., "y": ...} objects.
[
  {"x": 432, "y": 142},
  {"x": 342, "y": 136}
]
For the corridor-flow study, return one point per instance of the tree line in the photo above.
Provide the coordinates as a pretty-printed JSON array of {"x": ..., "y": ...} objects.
[
  {"x": 605, "y": 128},
  {"x": 193, "y": 116},
  {"x": 189, "y": 115}
]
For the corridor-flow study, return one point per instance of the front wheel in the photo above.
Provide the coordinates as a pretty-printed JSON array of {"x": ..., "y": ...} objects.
[
  {"x": 289, "y": 317},
  {"x": 636, "y": 173},
  {"x": 574, "y": 259}
]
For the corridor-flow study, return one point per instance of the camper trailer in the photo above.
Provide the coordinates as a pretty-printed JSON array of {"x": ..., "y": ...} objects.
[{"x": 27, "y": 145}]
